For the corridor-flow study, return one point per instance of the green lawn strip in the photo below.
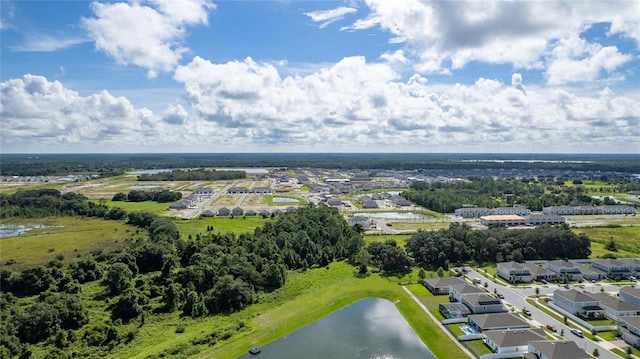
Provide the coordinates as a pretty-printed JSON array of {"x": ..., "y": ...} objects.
[
  {"x": 477, "y": 347},
  {"x": 146, "y": 206},
  {"x": 70, "y": 237},
  {"x": 322, "y": 297},
  {"x": 455, "y": 329},
  {"x": 608, "y": 335}
]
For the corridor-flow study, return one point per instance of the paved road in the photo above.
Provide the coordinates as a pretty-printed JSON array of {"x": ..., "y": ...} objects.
[{"x": 516, "y": 297}]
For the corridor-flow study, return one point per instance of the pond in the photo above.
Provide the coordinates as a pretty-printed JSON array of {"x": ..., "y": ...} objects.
[
  {"x": 394, "y": 215},
  {"x": 10, "y": 230},
  {"x": 370, "y": 328},
  {"x": 284, "y": 200}
]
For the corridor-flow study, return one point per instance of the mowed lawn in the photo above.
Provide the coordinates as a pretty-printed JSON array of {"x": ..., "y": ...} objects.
[{"x": 68, "y": 237}]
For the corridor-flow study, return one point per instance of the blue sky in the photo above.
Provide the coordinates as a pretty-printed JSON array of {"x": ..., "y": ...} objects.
[{"x": 320, "y": 76}]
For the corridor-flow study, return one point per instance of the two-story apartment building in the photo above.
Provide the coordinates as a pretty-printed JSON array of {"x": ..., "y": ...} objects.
[
  {"x": 615, "y": 269},
  {"x": 562, "y": 267},
  {"x": 615, "y": 308},
  {"x": 630, "y": 295},
  {"x": 514, "y": 272},
  {"x": 578, "y": 303},
  {"x": 629, "y": 329},
  {"x": 456, "y": 291}
]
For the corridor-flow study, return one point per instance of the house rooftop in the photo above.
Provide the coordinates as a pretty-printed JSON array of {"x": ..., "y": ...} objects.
[
  {"x": 632, "y": 321},
  {"x": 562, "y": 263},
  {"x": 559, "y": 349},
  {"x": 517, "y": 337},
  {"x": 513, "y": 265},
  {"x": 464, "y": 288},
  {"x": 477, "y": 299},
  {"x": 631, "y": 291},
  {"x": 575, "y": 295},
  {"x": 498, "y": 320},
  {"x": 614, "y": 303},
  {"x": 444, "y": 282}
]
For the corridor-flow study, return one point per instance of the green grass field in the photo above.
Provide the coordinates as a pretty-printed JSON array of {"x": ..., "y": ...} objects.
[
  {"x": 399, "y": 238},
  {"x": 148, "y": 206},
  {"x": 627, "y": 239},
  {"x": 235, "y": 225},
  {"x": 305, "y": 298},
  {"x": 69, "y": 237}
]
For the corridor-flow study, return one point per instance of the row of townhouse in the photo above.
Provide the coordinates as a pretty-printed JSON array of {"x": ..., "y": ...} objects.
[
  {"x": 589, "y": 210},
  {"x": 618, "y": 268},
  {"x": 476, "y": 212},
  {"x": 515, "y": 220},
  {"x": 506, "y": 333},
  {"x": 625, "y": 309},
  {"x": 239, "y": 211},
  {"x": 548, "y": 270},
  {"x": 255, "y": 190}
]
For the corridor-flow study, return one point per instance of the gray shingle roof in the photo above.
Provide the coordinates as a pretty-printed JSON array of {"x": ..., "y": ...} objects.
[
  {"x": 518, "y": 337},
  {"x": 498, "y": 320},
  {"x": 575, "y": 296},
  {"x": 560, "y": 349}
]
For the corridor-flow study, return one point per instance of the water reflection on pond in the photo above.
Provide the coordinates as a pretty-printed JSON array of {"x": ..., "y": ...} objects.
[{"x": 370, "y": 328}]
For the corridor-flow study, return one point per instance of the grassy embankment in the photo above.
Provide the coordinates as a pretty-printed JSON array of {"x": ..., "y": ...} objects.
[{"x": 63, "y": 237}]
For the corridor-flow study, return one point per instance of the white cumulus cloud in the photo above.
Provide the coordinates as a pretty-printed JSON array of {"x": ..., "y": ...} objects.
[{"x": 149, "y": 34}]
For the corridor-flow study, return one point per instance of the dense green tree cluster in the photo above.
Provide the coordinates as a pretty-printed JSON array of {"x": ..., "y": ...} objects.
[
  {"x": 489, "y": 192},
  {"x": 48, "y": 202},
  {"x": 460, "y": 244},
  {"x": 163, "y": 196},
  {"x": 199, "y": 174}
]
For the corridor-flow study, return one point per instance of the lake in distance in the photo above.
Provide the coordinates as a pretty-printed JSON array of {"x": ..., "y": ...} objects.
[{"x": 367, "y": 329}]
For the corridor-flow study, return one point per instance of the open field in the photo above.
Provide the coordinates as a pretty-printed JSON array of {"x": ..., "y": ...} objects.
[
  {"x": 627, "y": 238},
  {"x": 399, "y": 238},
  {"x": 226, "y": 200},
  {"x": 404, "y": 226},
  {"x": 235, "y": 225},
  {"x": 147, "y": 206},
  {"x": 68, "y": 237}
]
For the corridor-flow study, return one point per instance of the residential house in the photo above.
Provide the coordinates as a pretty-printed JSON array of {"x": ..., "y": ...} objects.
[
  {"x": 237, "y": 211},
  {"x": 557, "y": 349},
  {"x": 261, "y": 190},
  {"x": 364, "y": 222},
  {"x": 334, "y": 202},
  {"x": 630, "y": 295},
  {"x": 633, "y": 263},
  {"x": 539, "y": 272},
  {"x": 457, "y": 290},
  {"x": 291, "y": 209},
  {"x": 369, "y": 204},
  {"x": 590, "y": 273},
  {"x": 454, "y": 310},
  {"x": 615, "y": 308},
  {"x": 441, "y": 285},
  {"x": 224, "y": 211},
  {"x": 237, "y": 190},
  {"x": 615, "y": 269},
  {"x": 562, "y": 267},
  {"x": 514, "y": 272},
  {"x": 480, "y": 303},
  {"x": 250, "y": 213},
  {"x": 629, "y": 329},
  {"x": 178, "y": 205},
  {"x": 203, "y": 192},
  {"x": 512, "y": 341},
  {"x": 496, "y": 321},
  {"x": 578, "y": 303},
  {"x": 265, "y": 213},
  {"x": 207, "y": 213}
]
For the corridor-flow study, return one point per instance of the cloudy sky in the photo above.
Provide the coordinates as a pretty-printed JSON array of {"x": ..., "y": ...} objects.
[{"x": 320, "y": 76}]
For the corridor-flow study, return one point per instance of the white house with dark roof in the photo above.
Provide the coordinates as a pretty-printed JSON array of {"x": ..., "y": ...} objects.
[
  {"x": 615, "y": 308},
  {"x": 514, "y": 272},
  {"x": 512, "y": 341},
  {"x": 203, "y": 191},
  {"x": 591, "y": 273},
  {"x": 482, "y": 303},
  {"x": 456, "y": 291},
  {"x": 629, "y": 329},
  {"x": 261, "y": 190},
  {"x": 557, "y": 349},
  {"x": 237, "y": 190},
  {"x": 496, "y": 321},
  {"x": 441, "y": 285},
  {"x": 578, "y": 303},
  {"x": 634, "y": 263},
  {"x": 539, "y": 272},
  {"x": 630, "y": 295},
  {"x": 563, "y": 267},
  {"x": 224, "y": 211},
  {"x": 614, "y": 268},
  {"x": 237, "y": 211}
]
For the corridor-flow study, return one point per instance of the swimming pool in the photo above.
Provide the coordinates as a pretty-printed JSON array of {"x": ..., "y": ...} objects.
[{"x": 467, "y": 330}]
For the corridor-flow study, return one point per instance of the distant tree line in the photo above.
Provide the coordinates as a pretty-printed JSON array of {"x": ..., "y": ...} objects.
[
  {"x": 50, "y": 202},
  {"x": 459, "y": 244},
  {"x": 199, "y": 174},
  {"x": 163, "y": 196},
  {"x": 533, "y": 193},
  {"x": 116, "y": 164}
]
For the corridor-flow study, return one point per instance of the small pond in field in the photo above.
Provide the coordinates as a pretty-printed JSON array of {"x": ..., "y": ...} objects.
[
  {"x": 10, "y": 230},
  {"x": 368, "y": 329},
  {"x": 284, "y": 200}
]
